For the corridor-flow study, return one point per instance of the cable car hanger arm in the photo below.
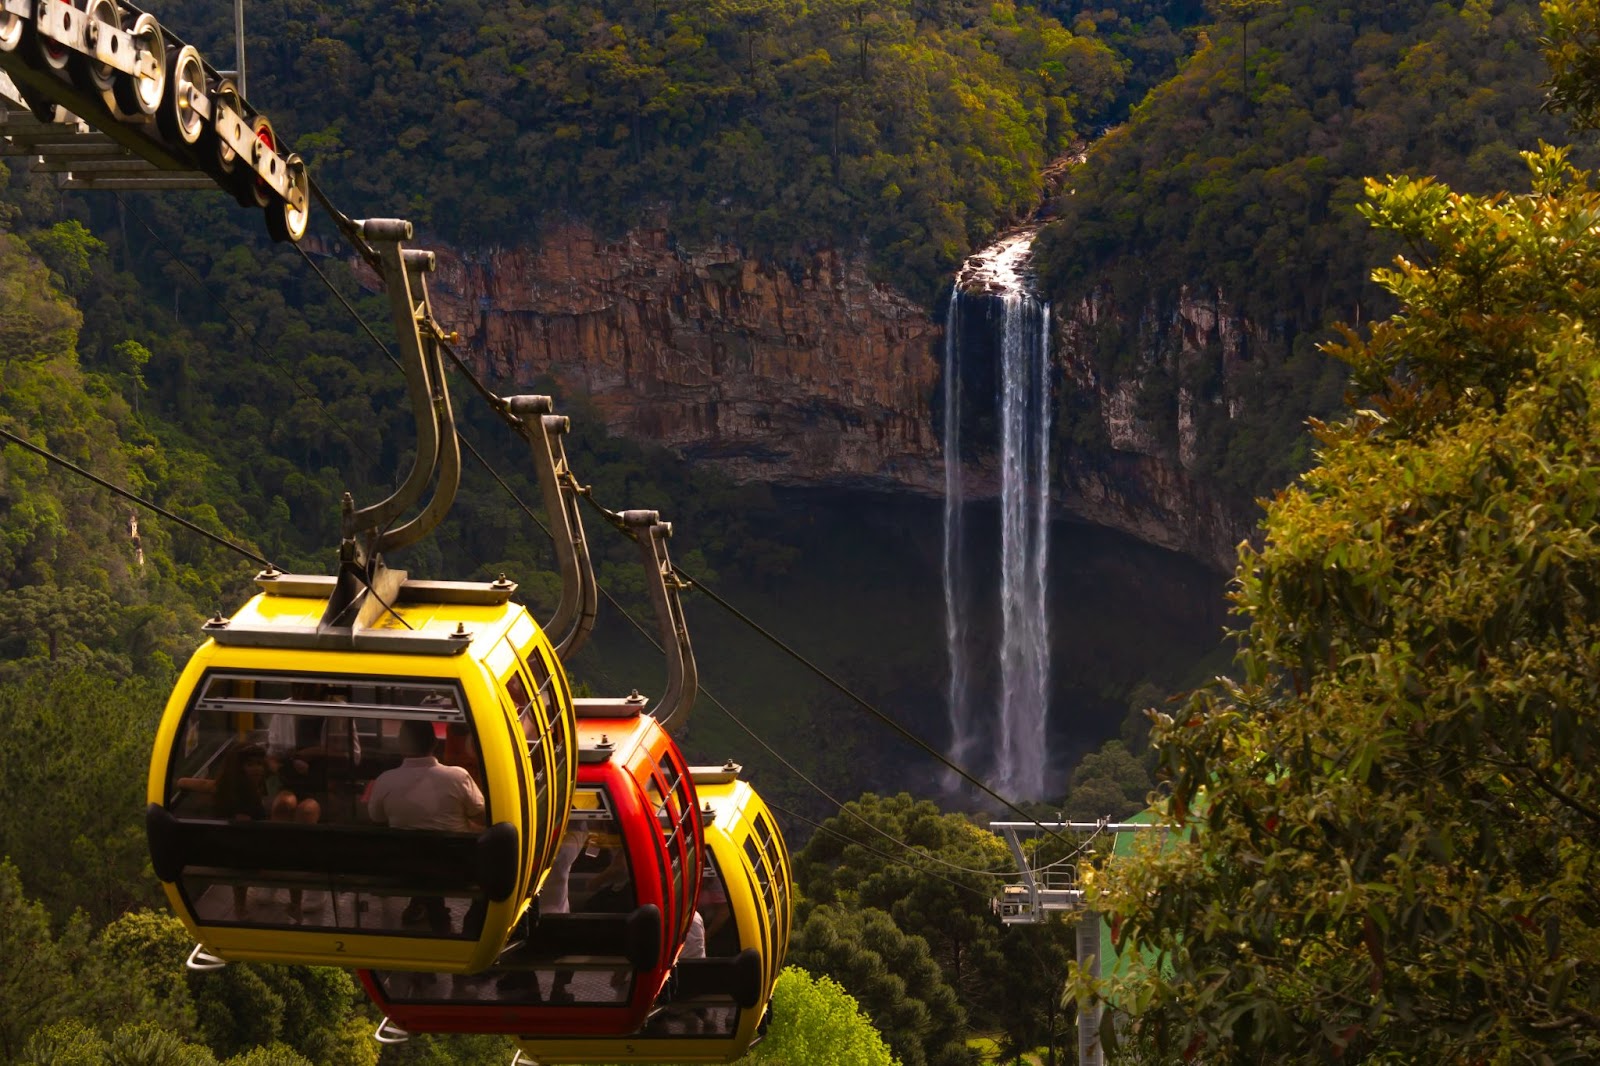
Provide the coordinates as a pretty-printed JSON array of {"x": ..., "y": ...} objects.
[
  {"x": 663, "y": 583},
  {"x": 438, "y": 452},
  {"x": 534, "y": 420}
]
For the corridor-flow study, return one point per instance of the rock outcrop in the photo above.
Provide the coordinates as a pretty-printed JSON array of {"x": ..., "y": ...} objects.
[
  {"x": 812, "y": 373},
  {"x": 807, "y": 374},
  {"x": 1148, "y": 484}
]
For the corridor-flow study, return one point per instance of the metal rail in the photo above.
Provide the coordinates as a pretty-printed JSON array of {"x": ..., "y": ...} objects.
[
  {"x": 119, "y": 102},
  {"x": 100, "y": 94}
]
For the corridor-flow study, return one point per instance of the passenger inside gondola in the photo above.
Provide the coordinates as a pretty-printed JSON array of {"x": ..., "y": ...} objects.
[
  {"x": 264, "y": 749},
  {"x": 608, "y": 886},
  {"x": 240, "y": 792},
  {"x": 591, "y": 876},
  {"x": 713, "y": 934},
  {"x": 713, "y": 908},
  {"x": 423, "y": 793},
  {"x": 597, "y": 880}
]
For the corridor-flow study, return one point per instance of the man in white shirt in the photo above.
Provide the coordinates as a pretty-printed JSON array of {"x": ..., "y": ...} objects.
[{"x": 423, "y": 793}]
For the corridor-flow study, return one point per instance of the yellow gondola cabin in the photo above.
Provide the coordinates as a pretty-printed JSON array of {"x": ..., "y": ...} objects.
[
  {"x": 384, "y": 796},
  {"x": 722, "y": 985}
]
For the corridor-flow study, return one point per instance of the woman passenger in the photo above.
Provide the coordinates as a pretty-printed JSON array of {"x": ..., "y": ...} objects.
[{"x": 241, "y": 794}]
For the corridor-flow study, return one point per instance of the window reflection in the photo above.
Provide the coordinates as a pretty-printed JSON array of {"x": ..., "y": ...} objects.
[
  {"x": 262, "y": 754},
  {"x": 600, "y": 880},
  {"x": 322, "y": 742},
  {"x": 721, "y": 931},
  {"x": 591, "y": 875}
]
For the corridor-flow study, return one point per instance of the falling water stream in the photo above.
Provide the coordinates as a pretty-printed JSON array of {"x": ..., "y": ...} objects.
[{"x": 1015, "y": 731}]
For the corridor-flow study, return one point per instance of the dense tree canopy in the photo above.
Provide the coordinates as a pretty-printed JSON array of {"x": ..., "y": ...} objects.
[
  {"x": 907, "y": 130},
  {"x": 891, "y": 974},
  {"x": 1233, "y": 185},
  {"x": 1392, "y": 817}
]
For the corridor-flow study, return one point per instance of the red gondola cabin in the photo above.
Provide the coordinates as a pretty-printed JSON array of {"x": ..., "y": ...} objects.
[{"x": 613, "y": 914}]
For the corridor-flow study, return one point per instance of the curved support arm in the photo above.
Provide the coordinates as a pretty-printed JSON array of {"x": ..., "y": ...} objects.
[
  {"x": 437, "y": 449},
  {"x": 448, "y": 460},
  {"x": 575, "y": 614},
  {"x": 683, "y": 682}
]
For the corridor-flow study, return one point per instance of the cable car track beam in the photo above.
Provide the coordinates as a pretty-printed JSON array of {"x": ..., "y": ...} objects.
[{"x": 105, "y": 64}]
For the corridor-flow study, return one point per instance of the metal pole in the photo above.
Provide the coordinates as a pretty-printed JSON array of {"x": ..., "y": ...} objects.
[
  {"x": 238, "y": 46},
  {"x": 1089, "y": 1052}
]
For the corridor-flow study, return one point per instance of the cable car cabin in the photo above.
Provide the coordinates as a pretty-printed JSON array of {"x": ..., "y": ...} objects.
[
  {"x": 613, "y": 914},
  {"x": 382, "y": 796},
  {"x": 716, "y": 1005}
]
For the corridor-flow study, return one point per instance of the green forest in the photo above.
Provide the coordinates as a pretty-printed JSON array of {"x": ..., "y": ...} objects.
[
  {"x": 1383, "y": 819},
  {"x": 1237, "y": 181},
  {"x": 905, "y": 130}
]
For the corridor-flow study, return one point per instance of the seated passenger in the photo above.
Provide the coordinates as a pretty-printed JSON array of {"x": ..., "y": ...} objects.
[
  {"x": 241, "y": 794},
  {"x": 460, "y": 749},
  {"x": 241, "y": 797},
  {"x": 308, "y": 750},
  {"x": 722, "y": 934},
  {"x": 611, "y": 890},
  {"x": 423, "y": 793}
]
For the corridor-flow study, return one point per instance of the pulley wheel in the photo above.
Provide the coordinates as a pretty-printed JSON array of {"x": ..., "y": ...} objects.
[
  {"x": 10, "y": 31},
  {"x": 53, "y": 55},
  {"x": 284, "y": 221},
  {"x": 91, "y": 75},
  {"x": 248, "y": 186},
  {"x": 186, "y": 82},
  {"x": 223, "y": 158},
  {"x": 138, "y": 95}
]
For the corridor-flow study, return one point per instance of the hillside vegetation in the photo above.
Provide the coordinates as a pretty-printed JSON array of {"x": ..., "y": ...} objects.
[
  {"x": 1391, "y": 820},
  {"x": 1237, "y": 181},
  {"x": 905, "y": 130},
  {"x": 1395, "y": 858}
]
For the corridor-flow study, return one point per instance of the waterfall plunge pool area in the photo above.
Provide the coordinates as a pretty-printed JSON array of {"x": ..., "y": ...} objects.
[{"x": 863, "y": 598}]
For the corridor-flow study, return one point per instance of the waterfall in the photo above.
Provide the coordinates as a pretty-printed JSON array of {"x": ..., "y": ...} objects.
[
  {"x": 955, "y": 627},
  {"x": 1021, "y": 352},
  {"x": 1024, "y": 547}
]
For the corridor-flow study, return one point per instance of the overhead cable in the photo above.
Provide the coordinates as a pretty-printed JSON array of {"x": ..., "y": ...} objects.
[
  {"x": 851, "y": 694},
  {"x": 497, "y": 403},
  {"x": 885, "y": 856},
  {"x": 795, "y": 770},
  {"x": 22, "y": 442}
]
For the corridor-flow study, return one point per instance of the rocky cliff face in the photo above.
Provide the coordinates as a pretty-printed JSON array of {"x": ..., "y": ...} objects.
[
  {"x": 1148, "y": 485},
  {"x": 788, "y": 375},
  {"x": 813, "y": 374}
]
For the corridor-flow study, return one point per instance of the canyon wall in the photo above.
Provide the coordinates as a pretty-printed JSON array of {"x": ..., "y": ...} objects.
[
  {"x": 804, "y": 374},
  {"x": 1145, "y": 478},
  {"x": 812, "y": 373}
]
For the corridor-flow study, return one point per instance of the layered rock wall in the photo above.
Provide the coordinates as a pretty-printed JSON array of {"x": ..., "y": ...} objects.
[
  {"x": 815, "y": 374},
  {"x": 810, "y": 374},
  {"x": 1149, "y": 485}
]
